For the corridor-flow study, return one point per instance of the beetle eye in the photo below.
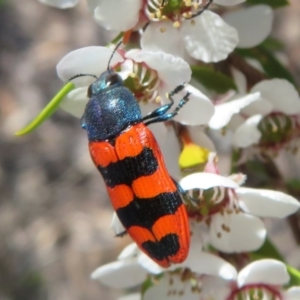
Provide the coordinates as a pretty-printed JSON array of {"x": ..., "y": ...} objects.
[
  {"x": 112, "y": 79},
  {"x": 89, "y": 91}
]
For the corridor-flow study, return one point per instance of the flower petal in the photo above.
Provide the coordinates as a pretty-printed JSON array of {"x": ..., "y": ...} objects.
[
  {"x": 162, "y": 36},
  {"x": 228, "y": 2},
  {"x": 200, "y": 138},
  {"x": 75, "y": 102},
  {"x": 224, "y": 112},
  {"x": 135, "y": 296},
  {"x": 209, "y": 264},
  {"x": 254, "y": 24},
  {"x": 171, "y": 287},
  {"x": 281, "y": 93},
  {"x": 267, "y": 203},
  {"x": 60, "y": 3},
  {"x": 89, "y": 60},
  {"x": 267, "y": 271},
  {"x": 171, "y": 70},
  {"x": 249, "y": 238},
  {"x": 215, "y": 288},
  {"x": 261, "y": 106},
  {"x": 205, "y": 181},
  {"x": 148, "y": 264},
  {"x": 292, "y": 293},
  {"x": 208, "y": 37},
  {"x": 248, "y": 134},
  {"x": 118, "y": 15},
  {"x": 197, "y": 111},
  {"x": 171, "y": 151},
  {"x": 116, "y": 225},
  {"x": 120, "y": 274},
  {"x": 240, "y": 81},
  {"x": 129, "y": 251}
]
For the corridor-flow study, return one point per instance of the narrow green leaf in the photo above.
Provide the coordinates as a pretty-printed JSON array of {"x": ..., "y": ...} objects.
[
  {"x": 270, "y": 64},
  {"x": 116, "y": 39},
  {"x": 48, "y": 110},
  {"x": 212, "y": 79},
  {"x": 295, "y": 276},
  {"x": 147, "y": 284},
  {"x": 272, "y": 3}
]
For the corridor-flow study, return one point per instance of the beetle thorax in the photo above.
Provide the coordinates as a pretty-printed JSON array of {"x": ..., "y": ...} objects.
[{"x": 111, "y": 109}]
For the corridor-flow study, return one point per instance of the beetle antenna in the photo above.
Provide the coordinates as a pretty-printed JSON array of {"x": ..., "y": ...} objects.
[
  {"x": 112, "y": 55},
  {"x": 81, "y": 75}
]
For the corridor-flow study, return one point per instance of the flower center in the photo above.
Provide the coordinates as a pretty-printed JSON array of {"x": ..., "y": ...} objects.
[
  {"x": 174, "y": 10},
  {"x": 210, "y": 201},
  {"x": 278, "y": 130},
  {"x": 142, "y": 81},
  {"x": 255, "y": 292}
]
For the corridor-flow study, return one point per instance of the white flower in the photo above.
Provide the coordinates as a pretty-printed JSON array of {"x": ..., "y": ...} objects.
[
  {"x": 133, "y": 265},
  {"x": 232, "y": 212},
  {"x": 172, "y": 29},
  {"x": 254, "y": 24},
  {"x": 149, "y": 75},
  {"x": 275, "y": 124},
  {"x": 206, "y": 37},
  {"x": 260, "y": 279},
  {"x": 265, "y": 278}
]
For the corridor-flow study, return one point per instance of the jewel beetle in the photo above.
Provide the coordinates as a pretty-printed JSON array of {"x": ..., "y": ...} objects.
[{"x": 145, "y": 197}]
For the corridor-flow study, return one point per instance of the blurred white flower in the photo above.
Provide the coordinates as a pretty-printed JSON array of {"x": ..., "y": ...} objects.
[{"x": 149, "y": 75}]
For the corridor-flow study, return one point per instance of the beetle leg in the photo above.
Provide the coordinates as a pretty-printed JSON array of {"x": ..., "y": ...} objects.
[
  {"x": 166, "y": 117},
  {"x": 185, "y": 195},
  {"x": 164, "y": 108},
  {"x": 159, "y": 111}
]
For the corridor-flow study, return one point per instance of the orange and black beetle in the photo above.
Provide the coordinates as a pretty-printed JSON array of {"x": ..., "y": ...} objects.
[{"x": 144, "y": 196}]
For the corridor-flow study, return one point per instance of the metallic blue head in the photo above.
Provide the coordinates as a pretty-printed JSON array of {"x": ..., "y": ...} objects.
[{"x": 111, "y": 109}]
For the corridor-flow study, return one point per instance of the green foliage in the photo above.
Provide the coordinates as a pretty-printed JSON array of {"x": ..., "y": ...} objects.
[
  {"x": 212, "y": 79},
  {"x": 272, "y": 3},
  {"x": 272, "y": 44},
  {"x": 295, "y": 276},
  {"x": 267, "y": 250},
  {"x": 270, "y": 64},
  {"x": 48, "y": 110},
  {"x": 293, "y": 185}
]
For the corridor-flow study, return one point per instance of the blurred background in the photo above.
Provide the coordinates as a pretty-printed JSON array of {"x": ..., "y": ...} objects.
[{"x": 54, "y": 213}]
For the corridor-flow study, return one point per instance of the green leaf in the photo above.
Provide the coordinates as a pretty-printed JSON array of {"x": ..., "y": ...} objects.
[
  {"x": 235, "y": 157},
  {"x": 272, "y": 3},
  {"x": 48, "y": 110},
  {"x": 212, "y": 79},
  {"x": 294, "y": 185},
  {"x": 270, "y": 64},
  {"x": 147, "y": 284},
  {"x": 267, "y": 250},
  {"x": 272, "y": 44},
  {"x": 295, "y": 276}
]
